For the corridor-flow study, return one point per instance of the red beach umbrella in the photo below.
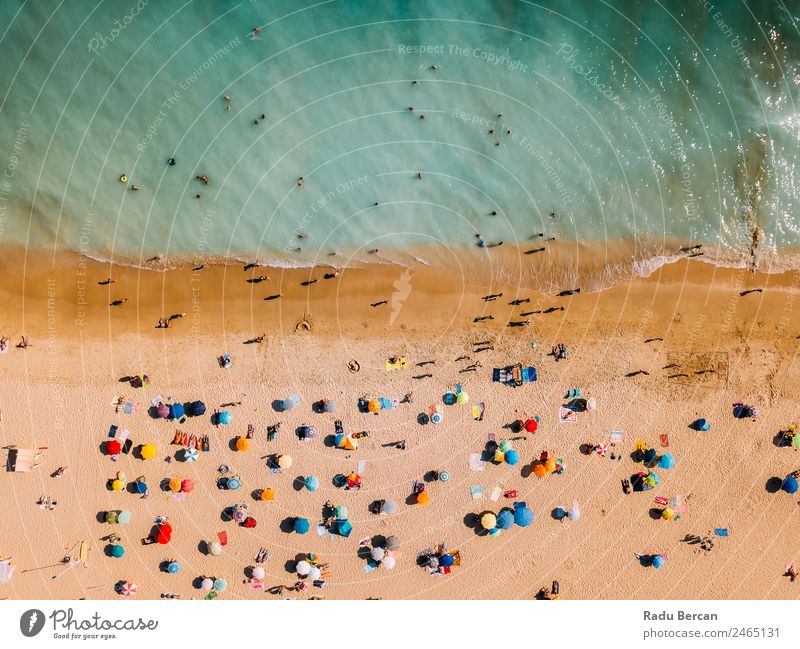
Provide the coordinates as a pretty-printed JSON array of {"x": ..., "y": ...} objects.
[
  {"x": 531, "y": 425},
  {"x": 187, "y": 485},
  {"x": 164, "y": 533},
  {"x": 113, "y": 447}
]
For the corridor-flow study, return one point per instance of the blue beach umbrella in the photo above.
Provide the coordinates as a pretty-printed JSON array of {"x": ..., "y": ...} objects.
[
  {"x": 117, "y": 551},
  {"x": 789, "y": 484},
  {"x": 559, "y": 513},
  {"x": 220, "y": 585},
  {"x": 176, "y": 411},
  {"x": 523, "y": 516},
  {"x": 233, "y": 483},
  {"x": 301, "y": 525},
  {"x": 173, "y": 567},
  {"x": 225, "y": 417},
  {"x": 657, "y": 561},
  {"x": 312, "y": 483},
  {"x": 140, "y": 486},
  {"x": 701, "y": 424},
  {"x": 667, "y": 461},
  {"x": 505, "y": 519},
  {"x": 447, "y": 560},
  {"x": 511, "y": 457},
  {"x": 344, "y": 527},
  {"x": 197, "y": 409}
]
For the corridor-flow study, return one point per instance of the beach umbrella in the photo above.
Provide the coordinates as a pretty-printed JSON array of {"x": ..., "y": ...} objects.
[
  {"x": 657, "y": 561},
  {"x": 303, "y": 568},
  {"x": 293, "y": 401},
  {"x": 668, "y": 514},
  {"x": 148, "y": 451},
  {"x": 197, "y": 409},
  {"x": 233, "y": 483},
  {"x": 191, "y": 454},
  {"x": 338, "y": 439},
  {"x": 344, "y": 527},
  {"x": 796, "y": 441},
  {"x": 531, "y": 425},
  {"x": 505, "y": 519},
  {"x": 267, "y": 494},
  {"x": 389, "y": 507},
  {"x": 111, "y": 517},
  {"x": 124, "y": 517},
  {"x": 392, "y": 543},
  {"x": 574, "y": 513},
  {"x": 789, "y": 484},
  {"x": 591, "y": 404},
  {"x": 340, "y": 511},
  {"x": 652, "y": 480},
  {"x": 207, "y": 584},
  {"x": 423, "y": 498},
  {"x": 128, "y": 589},
  {"x": 239, "y": 513},
  {"x": 285, "y": 461},
  {"x": 667, "y": 461},
  {"x": 308, "y": 431},
  {"x": 315, "y": 573},
  {"x": 163, "y": 410},
  {"x": 550, "y": 465},
  {"x": 444, "y": 476},
  {"x": 113, "y": 447},
  {"x": 173, "y": 567},
  {"x": 214, "y": 548},
  {"x": 462, "y": 397},
  {"x": 144, "y": 380},
  {"x": 539, "y": 471},
  {"x": 174, "y": 485},
  {"x": 220, "y": 585},
  {"x": 242, "y": 444},
  {"x": 258, "y": 573},
  {"x": 499, "y": 456},
  {"x": 176, "y": 411},
  {"x": 140, "y": 486},
  {"x": 117, "y": 484},
  {"x": 354, "y": 481},
  {"x": 117, "y": 551},
  {"x": 488, "y": 521},
  {"x": 523, "y": 516},
  {"x": 187, "y": 485},
  {"x": 225, "y": 417},
  {"x": 312, "y": 483},
  {"x": 436, "y": 417},
  {"x": 301, "y": 525},
  {"x": 559, "y": 513},
  {"x": 650, "y": 455},
  {"x": 374, "y": 405},
  {"x": 328, "y": 405},
  {"x": 504, "y": 445},
  {"x": 389, "y": 562},
  {"x": 495, "y": 531},
  {"x": 511, "y": 457},
  {"x": 164, "y": 534},
  {"x": 702, "y": 424},
  {"x": 447, "y": 560},
  {"x": 377, "y": 554}
]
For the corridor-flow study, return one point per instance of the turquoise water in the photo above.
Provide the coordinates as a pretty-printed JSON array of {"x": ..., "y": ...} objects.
[{"x": 628, "y": 121}]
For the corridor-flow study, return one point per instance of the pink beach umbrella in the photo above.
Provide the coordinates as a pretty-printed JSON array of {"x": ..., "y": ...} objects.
[
  {"x": 128, "y": 589},
  {"x": 207, "y": 584}
]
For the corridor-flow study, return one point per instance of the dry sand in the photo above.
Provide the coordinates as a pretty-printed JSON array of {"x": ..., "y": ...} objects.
[{"x": 58, "y": 393}]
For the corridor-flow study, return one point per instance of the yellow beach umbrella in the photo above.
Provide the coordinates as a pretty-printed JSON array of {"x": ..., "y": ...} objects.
[
  {"x": 175, "y": 485},
  {"x": 488, "y": 521},
  {"x": 267, "y": 494},
  {"x": 117, "y": 484},
  {"x": 242, "y": 444},
  {"x": 149, "y": 451},
  {"x": 285, "y": 461}
]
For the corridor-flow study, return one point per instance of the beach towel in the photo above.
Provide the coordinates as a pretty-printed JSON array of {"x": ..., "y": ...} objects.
[
  {"x": 322, "y": 531},
  {"x": 131, "y": 407},
  {"x": 567, "y": 415},
  {"x": 156, "y": 401},
  {"x": 361, "y": 466},
  {"x": 664, "y": 440},
  {"x": 475, "y": 462},
  {"x": 528, "y": 374},
  {"x": 615, "y": 437},
  {"x": 477, "y": 411},
  {"x": 495, "y": 494},
  {"x": 721, "y": 531},
  {"x": 476, "y": 491},
  {"x": 400, "y": 363}
]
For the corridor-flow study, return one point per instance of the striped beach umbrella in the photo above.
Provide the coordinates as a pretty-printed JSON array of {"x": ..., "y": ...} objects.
[{"x": 128, "y": 589}]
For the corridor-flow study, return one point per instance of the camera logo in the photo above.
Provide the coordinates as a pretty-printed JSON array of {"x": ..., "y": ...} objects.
[{"x": 31, "y": 622}]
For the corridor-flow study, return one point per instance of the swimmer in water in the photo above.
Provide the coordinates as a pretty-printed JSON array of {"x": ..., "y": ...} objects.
[
  {"x": 419, "y": 175},
  {"x": 255, "y": 32},
  {"x": 171, "y": 162},
  {"x": 300, "y": 181},
  {"x": 135, "y": 188},
  {"x": 202, "y": 179}
]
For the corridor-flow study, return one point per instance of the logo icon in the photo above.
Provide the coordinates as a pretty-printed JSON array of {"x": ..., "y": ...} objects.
[{"x": 31, "y": 622}]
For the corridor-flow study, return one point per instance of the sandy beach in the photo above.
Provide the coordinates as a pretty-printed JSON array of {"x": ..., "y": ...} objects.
[{"x": 709, "y": 346}]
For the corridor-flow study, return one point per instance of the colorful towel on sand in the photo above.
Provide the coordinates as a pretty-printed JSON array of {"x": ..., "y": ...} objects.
[
  {"x": 476, "y": 491},
  {"x": 567, "y": 415},
  {"x": 476, "y": 463}
]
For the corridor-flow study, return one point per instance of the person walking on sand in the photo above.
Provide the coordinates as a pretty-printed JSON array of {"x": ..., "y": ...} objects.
[
  {"x": 175, "y": 316},
  {"x": 119, "y": 302}
]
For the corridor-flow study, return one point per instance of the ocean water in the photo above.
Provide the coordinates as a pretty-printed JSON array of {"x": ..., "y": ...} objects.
[{"x": 653, "y": 124}]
